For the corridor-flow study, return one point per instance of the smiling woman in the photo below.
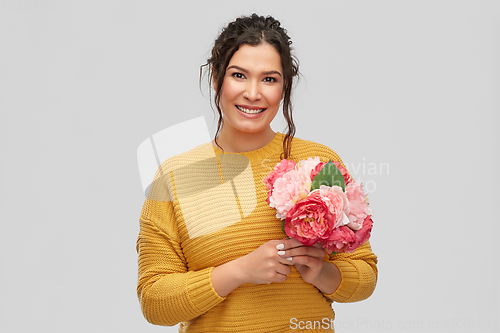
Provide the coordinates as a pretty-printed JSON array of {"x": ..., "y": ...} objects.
[
  {"x": 256, "y": 50},
  {"x": 250, "y": 97},
  {"x": 212, "y": 255}
]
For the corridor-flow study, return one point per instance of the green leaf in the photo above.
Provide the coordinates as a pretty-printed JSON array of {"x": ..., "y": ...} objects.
[
  {"x": 330, "y": 175},
  {"x": 283, "y": 226}
]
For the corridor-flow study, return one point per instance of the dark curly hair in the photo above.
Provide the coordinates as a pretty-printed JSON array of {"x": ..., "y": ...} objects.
[{"x": 254, "y": 30}]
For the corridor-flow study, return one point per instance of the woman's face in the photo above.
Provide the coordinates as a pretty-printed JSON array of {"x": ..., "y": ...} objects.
[{"x": 252, "y": 88}]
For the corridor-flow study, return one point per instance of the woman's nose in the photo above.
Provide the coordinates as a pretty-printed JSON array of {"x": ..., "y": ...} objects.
[{"x": 252, "y": 92}]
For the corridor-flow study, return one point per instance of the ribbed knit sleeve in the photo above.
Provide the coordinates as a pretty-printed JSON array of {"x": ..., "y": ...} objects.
[
  {"x": 359, "y": 274},
  {"x": 167, "y": 291}
]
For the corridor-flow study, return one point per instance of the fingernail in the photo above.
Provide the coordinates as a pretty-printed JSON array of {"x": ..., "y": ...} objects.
[
  {"x": 289, "y": 258},
  {"x": 281, "y": 253},
  {"x": 280, "y": 246}
]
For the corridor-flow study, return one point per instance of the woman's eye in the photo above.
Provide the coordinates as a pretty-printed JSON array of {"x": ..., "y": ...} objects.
[
  {"x": 270, "y": 79},
  {"x": 238, "y": 75}
]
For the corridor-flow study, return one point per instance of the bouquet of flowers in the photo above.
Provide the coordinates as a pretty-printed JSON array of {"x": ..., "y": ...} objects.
[{"x": 319, "y": 202}]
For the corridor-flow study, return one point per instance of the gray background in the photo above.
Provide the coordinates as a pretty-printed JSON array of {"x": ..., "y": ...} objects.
[{"x": 406, "y": 92}]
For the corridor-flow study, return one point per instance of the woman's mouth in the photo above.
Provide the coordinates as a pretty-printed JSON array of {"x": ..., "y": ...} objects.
[{"x": 250, "y": 111}]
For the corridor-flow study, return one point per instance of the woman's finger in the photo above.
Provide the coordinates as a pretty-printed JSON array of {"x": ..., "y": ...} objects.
[
  {"x": 291, "y": 243},
  {"x": 303, "y": 250},
  {"x": 283, "y": 269}
]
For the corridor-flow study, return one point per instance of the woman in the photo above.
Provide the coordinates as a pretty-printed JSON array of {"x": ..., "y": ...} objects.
[{"x": 212, "y": 255}]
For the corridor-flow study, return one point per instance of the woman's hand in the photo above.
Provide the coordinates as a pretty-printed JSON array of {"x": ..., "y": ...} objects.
[
  {"x": 271, "y": 262},
  {"x": 264, "y": 265},
  {"x": 309, "y": 262}
]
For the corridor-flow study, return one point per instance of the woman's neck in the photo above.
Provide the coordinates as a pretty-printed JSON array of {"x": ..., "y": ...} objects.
[{"x": 238, "y": 142}]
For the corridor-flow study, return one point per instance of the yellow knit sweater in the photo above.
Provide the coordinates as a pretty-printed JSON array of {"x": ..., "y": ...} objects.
[{"x": 205, "y": 208}]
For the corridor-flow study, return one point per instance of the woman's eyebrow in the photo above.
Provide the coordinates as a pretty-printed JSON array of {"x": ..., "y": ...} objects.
[
  {"x": 271, "y": 72},
  {"x": 246, "y": 71}
]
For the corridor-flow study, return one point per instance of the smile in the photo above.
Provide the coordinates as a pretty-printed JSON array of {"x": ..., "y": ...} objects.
[{"x": 250, "y": 111}]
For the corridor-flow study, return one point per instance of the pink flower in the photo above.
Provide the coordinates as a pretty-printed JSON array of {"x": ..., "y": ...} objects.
[
  {"x": 337, "y": 203},
  {"x": 362, "y": 235},
  {"x": 347, "y": 176},
  {"x": 317, "y": 169},
  {"x": 340, "y": 221},
  {"x": 343, "y": 239},
  {"x": 310, "y": 220},
  {"x": 358, "y": 206},
  {"x": 307, "y": 166},
  {"x": 279, "y": 170},
  {"x": 339, "y": 239},
  {"x": 287, "y": 190}
]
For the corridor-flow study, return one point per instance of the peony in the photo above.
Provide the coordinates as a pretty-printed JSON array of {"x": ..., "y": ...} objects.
[
  {"x": 361, "y": 235},
  {"x": 337, "y": 203},
  {"x": 279, "y": 170},
  {"x": 339, "y": 239},
  {"x": 317, "y": 169},
  {"x": 307, "y": 166},
  {"x": 287, "y": 190},
  {"x": 340, "y": 220},
  {"x": 358, "y": 206},
  {"x": 343, "y": 239},
  {"x": 347, "y": 176},
  {"x": 310, "y": 220}
]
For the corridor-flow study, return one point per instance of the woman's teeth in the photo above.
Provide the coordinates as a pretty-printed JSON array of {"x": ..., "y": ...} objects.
[{"x": 249, "y": 111}]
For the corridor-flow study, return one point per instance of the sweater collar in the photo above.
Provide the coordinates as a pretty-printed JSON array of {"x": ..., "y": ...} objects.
[{"x": 274, "y": 146}]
